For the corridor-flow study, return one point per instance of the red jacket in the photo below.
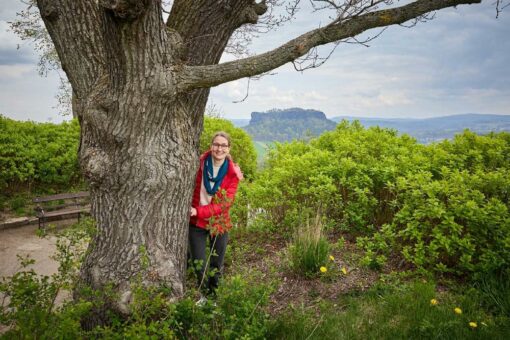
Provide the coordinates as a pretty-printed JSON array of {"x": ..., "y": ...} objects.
[{"x": 217, "y": 212}]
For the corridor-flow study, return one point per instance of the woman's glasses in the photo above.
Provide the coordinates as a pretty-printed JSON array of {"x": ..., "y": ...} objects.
[{"x": 218, "y": 146}]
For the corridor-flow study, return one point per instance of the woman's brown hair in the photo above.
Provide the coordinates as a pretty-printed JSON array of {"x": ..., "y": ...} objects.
[{"x": 221, "y": 134}]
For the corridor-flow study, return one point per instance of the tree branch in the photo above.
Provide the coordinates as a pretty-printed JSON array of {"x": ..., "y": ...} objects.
[
  {"x": 206, "y": 26},
  {"x": 192, "y": 77}
]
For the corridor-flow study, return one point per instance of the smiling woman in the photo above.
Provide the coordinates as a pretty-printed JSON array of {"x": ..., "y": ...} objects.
[{"x": 215, "y": 188}]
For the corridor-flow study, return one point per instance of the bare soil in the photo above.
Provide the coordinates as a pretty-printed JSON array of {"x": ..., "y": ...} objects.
[{"x": 269, "y": 251}]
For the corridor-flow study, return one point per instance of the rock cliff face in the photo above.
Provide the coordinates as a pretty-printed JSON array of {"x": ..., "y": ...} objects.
[{"x": 288, "y": 124}]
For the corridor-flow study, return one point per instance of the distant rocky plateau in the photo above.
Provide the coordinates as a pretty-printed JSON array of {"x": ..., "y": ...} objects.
[{"x": 286, "y": 125}]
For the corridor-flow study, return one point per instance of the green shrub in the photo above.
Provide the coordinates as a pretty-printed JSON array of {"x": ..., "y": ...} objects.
[
  {"x": 38, "y": 154},
  {"x": 448, "y": 225},
  {"x": 442, "y": 208},
  {"x": 471, "y": 152},
  {"x": 238, "y": 312},
  {"x": 17, "y": 202},
  {"x": 350, "y": 172}
]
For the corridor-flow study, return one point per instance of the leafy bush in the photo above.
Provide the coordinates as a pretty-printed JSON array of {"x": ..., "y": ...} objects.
[
  {"x": 38, "y": 153},
  {"x": 349, "y": 172},
  {"x": 453, "y": 219},
  {"x": 471, "y": 152},
  {"x": 236, "y": 313}
]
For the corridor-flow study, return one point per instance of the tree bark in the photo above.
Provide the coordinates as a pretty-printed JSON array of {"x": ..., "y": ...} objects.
[
  {"x": 140, "y": 87},
  {"x": 138, "y": 149}
]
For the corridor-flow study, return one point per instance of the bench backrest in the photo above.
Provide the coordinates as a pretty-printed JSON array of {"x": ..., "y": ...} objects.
[{"x": 74, "y": 195}]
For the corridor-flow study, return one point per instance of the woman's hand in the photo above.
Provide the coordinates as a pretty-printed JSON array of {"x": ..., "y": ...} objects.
[{"x": 193, "y": 212}]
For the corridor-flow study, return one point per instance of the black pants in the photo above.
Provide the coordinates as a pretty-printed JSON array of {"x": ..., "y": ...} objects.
[{"x": 208, "y": 278}]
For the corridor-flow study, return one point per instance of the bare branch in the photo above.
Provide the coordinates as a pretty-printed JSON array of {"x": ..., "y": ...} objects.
[
  {"x": 29, "y": 27},
  {"x": 254, "y": 78},
  {"x": 211, "y": 75},
  {"x": 214, "y": 111},
  {"x": 241, "y": 39},
  {"x": 366, "y": 41},
  {"x": 247, "y": 92},
  {"x": 500, "y": 6},
  {"x": 312, "y": 59}
]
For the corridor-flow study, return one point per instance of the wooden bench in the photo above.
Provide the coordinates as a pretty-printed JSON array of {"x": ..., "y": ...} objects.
[{"x": 68, "y": 204}]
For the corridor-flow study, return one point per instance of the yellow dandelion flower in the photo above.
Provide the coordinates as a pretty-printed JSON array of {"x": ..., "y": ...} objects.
[
  {"x": 457, "y": 310},
  {"x": 473, "y": 324},
  {"x": 344, "y": 270},
  {"x": 433, "y": 302},
  {"x": 331, "y": 257},
  {"x": 324, "y": 269}
]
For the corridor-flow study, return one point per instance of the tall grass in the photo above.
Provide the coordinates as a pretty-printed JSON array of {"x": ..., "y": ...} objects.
[
  {"x": 495, "y": 292},
  {"x": 309, "y": 249}
]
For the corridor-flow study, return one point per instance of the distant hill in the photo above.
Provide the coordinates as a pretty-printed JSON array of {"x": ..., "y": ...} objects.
[
  {"x": 239, "y": 122},
  {"x": 438, "y": 128},
  {"x": 288, "y": 124}
]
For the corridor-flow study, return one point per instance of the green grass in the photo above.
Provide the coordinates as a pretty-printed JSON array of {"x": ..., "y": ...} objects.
[
  {"x": 389, "y": 313},
  {"x": 494, "y": 290}
]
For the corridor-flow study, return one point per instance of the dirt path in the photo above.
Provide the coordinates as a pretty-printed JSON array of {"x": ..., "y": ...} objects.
[{"x": 24, "y": 241}]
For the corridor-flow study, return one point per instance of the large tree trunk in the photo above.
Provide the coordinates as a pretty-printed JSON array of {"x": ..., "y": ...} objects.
[{"x": 141, "y": 176}]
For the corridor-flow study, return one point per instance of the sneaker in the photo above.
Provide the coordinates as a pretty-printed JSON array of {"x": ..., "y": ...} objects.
[{"x": 201, "y": 302}]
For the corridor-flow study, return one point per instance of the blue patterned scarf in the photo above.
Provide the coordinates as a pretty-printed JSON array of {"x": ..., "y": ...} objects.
[{"x": 209, "y": 175}]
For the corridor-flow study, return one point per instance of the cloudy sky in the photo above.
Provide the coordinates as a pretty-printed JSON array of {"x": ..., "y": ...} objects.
[{"x": 457, "y": 63}]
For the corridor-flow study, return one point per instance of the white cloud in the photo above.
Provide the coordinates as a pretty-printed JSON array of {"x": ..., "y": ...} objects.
[
  {"x": 234, "y": 90},
  {"x": 314, "y": 96},
  {"x": 9, "y": 72},
  {"x": 393, "y": 99}
]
